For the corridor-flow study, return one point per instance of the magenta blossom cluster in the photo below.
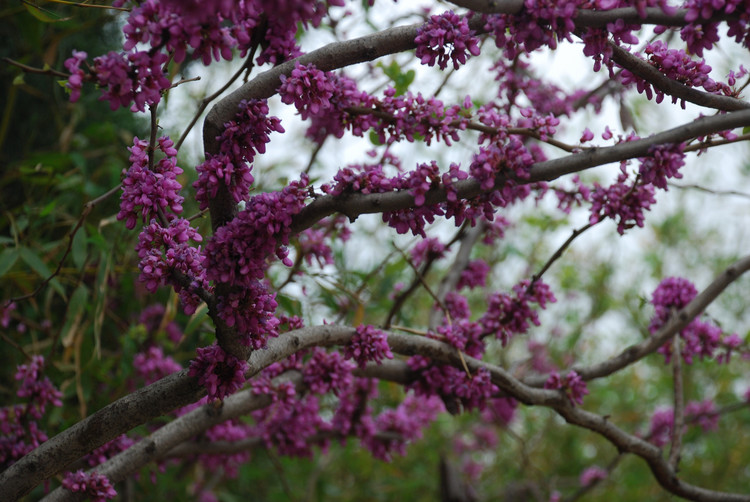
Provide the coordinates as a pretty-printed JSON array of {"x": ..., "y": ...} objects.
[
  {"x": 152, "y": 365},
  {"x": 19, "y": 430},
  {"x": 500, "y": 410},
  {"x": 451, "y": 384},
  {"x": 327, "y": 372},
  {"x": 699, "y": 338},
  {"x": 152, "y": 318},
  {"x": 353, "y": 416},
  {"x": 474, "y": 275},
  {"x": 573, "y": 385},
  {"x": 230, "y": 431},
  {"x": 592, "y": 474},
  {"x": 109, "y": 450},
  {"x": 575, "y": 197},
  {"x": 133, "y": 79},
  {"x": 92, "y": 484},
  {"x": 664, "y": 163},
  {"x": 220, "y": 373},
  {"x": 396, "y": 428},
  {"x": 508, "y": 315},
  {"x": 623, "y": 202},
  {"x": 334, "y": 104},
  {"x": 369, "y": 344},
  {"x": 150, "y": 191},
  {"x": 237, "y": 252},
  {"x": 289, "y": 424},
  {"x": 446, "y": 38},
  {"x": 166, "y": 251},
  {"x": 701, "y": 413},
  {"x": 240, "y": 141},
  {"x": 676, "y": 65}
]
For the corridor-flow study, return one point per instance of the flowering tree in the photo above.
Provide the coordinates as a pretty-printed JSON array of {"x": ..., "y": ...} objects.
[{"x": 290, "y": 343}]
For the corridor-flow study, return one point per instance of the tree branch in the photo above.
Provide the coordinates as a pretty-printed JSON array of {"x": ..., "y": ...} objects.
[
  {"x": 677, "y": 323},
  {"x": 354, "y": 205}
]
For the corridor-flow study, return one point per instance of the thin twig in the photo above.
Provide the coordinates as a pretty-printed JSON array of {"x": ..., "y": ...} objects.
[
  {"x": 87, "y": 208},
  {"x": 679, "y": 405}
]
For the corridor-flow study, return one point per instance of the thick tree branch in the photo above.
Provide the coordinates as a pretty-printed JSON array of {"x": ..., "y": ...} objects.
[
  {"x": 290, "y": 343},
  {"x": 353, "y": 205},
  {"x": 673, "y": 88},
  {"x": 178, "y": 431},
  {"x": 54, "y": 455},
  {"x": 677, "y": 323}
]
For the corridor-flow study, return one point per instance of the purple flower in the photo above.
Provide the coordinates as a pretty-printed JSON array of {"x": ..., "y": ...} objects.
[
  {"x": 75, "y": 81},
  {"x": 147, "y": 191},
  {"x": 92, "y": 484},
  {"x": 220, "y": 373},
  {"x": 507, "y": 315},
  {"x": 592, "y": 474},
  {"x": 622, "y": 202},
  {"x": 402, "y": 425},
  {"x": 664, "y": 163},
  {"x": 327, "y": 372},
  {"x": 152, "y": 365},
  {"x": 573, "y": 385},
  {"x": 446, "y": 37},
  {"x": 368, "y": 344},
  {"x": 309, "y": 89}
]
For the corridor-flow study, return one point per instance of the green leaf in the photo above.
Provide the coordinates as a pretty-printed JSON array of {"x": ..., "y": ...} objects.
[
  {"x": 8, "y": 258},
  {"x": 37, "y": 264},
  {"x": 100, "y": 292},
  {"x": 196, "y": 320},
  {"x": 18, "y": 80},
  {"x": 76, "y": 307},
  {"x": 374, "y": 139},
  {"x": 43, "y": 15},
  {"x": 79, "y": 249},
  {"x": 746, "y": 130}
]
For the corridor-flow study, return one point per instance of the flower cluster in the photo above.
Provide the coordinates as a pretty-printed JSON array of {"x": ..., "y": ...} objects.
[
  {"x": 500, "y": 411},
  {"x": 664, "y": 163},
  {"x": 237, "y": 252},
  {"x": 77, "y": 76},
  {"x": 152, "y": 365},
  {"x": 289, "y": 424},
  {"x": 166, "y": 251},
  {"x": 369, "y": 344},
  {"x": 676, "y": 65},
  {"x": 19, "y": 431},
  {"x": 573, "y": 385},
  {"x": 701, "y": 413},
  {"x": 92, "y": 484},
  {"x": 508, "y": 315},
  {"x": 150, "y": 191},
  {"x": 309, "y": 89},
  {"x": 240, "y": 141},
  {"x": 446, "y": 37},
  {"x": 396, "y": 428},
  {"x": 109, "y": 450},
  {"x": 576, "y": 197},
  {"x": 699, "y": 338},
  {"x": 623, "y": 202},
  {"x": 592, "y": 474},
  {"x": 474, "y": 275},
  {"x": 230, "y": 431},
  {"x": 219, "y": 372},
  {"x": 327, "y": 372},
  {"x": 353, "y": 416},
  {"x": 36, "y": 388},
  {"x": 452, "y": 384},
  {"x": 153, "y": 316}
]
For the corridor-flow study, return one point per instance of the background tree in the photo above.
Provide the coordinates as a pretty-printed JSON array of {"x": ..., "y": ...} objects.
[{"x": 226, "y": 324}]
